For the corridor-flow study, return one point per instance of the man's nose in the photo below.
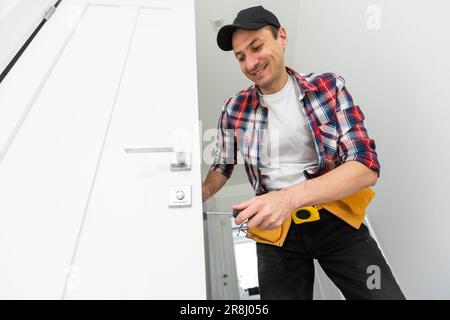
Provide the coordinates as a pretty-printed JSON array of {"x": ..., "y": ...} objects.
[{"x": 252, "y": 62}]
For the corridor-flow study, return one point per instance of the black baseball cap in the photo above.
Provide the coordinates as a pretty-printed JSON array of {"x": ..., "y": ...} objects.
[{"x": 252, "y": 18}]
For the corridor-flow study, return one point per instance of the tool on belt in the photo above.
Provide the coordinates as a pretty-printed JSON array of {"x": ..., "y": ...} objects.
[
  {"x": 305, "y": 214},
  {"x": 300, "y": 215},
  {"x": 350, "y": 209}
]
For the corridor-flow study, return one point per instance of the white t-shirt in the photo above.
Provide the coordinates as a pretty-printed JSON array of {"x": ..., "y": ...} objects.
[{"x": 289, "y": 148}]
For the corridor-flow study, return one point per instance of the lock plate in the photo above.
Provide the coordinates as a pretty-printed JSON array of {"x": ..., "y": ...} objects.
[{"x": 180, "y": 196}]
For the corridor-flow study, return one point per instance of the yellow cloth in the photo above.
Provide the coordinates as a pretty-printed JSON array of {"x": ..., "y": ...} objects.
[{"x": 351, "y": 209}]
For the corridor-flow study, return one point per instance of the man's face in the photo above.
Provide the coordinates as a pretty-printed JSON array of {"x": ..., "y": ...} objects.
[{"x": 261, "y": 57}]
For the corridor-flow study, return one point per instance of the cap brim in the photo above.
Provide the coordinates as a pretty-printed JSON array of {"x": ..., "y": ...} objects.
[{"x": 225, "y": 34}]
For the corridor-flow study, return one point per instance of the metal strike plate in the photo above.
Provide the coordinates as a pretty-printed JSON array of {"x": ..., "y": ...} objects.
[{"x": 180, "y": 196}]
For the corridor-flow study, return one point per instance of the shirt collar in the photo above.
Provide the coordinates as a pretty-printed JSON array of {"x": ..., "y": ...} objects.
[{"x": 303, "y": 85}]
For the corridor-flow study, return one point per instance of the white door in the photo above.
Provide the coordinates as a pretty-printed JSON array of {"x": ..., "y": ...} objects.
[{"x": 80, "y": 217}]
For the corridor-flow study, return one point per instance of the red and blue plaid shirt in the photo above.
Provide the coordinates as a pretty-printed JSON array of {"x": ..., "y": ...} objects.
[{"x": 335, "y": 121}]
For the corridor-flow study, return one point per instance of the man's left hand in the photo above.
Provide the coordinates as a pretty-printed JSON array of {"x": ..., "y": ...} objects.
[{"x": 267, "y": 211}]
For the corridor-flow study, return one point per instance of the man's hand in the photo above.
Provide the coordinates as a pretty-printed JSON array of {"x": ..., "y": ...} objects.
[
  {"x": 271, "y": 209},
  {"x": 267, "y": 211}
]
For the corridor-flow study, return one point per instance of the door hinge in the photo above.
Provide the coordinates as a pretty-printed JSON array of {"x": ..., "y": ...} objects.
[{"x": 49, "y": 13}]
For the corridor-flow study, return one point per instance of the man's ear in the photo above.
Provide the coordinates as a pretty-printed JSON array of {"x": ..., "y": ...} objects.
[{"x": 282, "y": 35}]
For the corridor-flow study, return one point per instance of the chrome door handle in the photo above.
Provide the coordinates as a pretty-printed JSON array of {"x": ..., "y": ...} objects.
[{"x": 180, "y": 160}]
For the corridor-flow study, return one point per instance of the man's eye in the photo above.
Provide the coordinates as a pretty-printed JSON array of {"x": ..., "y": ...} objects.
[
  {"x": 241, "y": 58},
  {"x": 257, "y": 48}
]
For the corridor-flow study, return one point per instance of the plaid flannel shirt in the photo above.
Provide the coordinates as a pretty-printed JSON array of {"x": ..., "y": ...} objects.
[{"x": 335, "y": 121}]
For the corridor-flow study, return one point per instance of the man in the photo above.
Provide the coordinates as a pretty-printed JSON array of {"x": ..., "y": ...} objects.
[{"x": 324, "y": 154}]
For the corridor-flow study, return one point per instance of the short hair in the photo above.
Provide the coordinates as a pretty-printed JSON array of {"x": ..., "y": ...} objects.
[{"x": 274, "y": 30}]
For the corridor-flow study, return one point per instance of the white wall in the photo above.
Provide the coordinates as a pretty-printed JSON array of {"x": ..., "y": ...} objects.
[
  {"x": 399, "y": 75},
  {"x": 18, "y": 19}
]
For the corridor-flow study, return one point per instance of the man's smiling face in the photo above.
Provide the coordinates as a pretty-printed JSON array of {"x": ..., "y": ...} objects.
[{"x": 261, "y": 57}]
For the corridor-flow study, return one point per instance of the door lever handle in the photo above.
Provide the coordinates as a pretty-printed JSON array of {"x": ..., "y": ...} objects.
[{"x": 180, "y": 160}]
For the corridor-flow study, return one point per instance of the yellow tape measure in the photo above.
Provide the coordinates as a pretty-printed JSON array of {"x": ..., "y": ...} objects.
[{"x": 305, "y": 214}]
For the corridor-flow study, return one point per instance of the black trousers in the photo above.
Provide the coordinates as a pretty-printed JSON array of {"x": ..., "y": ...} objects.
[{"x": 350, "y": 258}]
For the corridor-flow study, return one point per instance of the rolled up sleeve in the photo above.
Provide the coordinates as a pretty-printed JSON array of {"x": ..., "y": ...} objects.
[
  {"x": 225, "y": 150},
  {"x": 354, "y": 142}
]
